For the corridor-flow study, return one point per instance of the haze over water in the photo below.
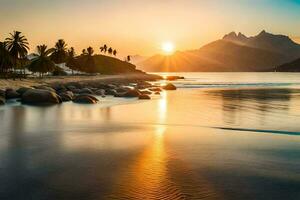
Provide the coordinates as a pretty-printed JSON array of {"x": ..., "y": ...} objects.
[{"x": 219, "y": 136}]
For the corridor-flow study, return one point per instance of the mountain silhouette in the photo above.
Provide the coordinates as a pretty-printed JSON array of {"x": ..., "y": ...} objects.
[
  {"x": 293, "y": 66},
  {"x": 235, "y": 52}
]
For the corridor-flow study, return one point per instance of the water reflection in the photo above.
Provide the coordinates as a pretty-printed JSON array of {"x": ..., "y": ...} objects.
[
  {"x": 257, "y": 105},
  {"x": 156, "y": 149}
]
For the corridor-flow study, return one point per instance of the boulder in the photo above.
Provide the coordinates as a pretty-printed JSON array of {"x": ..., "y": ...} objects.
[
  {"x": 44, "y": 87},
  {"x": 155, "y": 89},
  {"x": 22, "y": 90},
  {"x": 66, "y": 96},
  {"x": 169, "y": 86},
  {"x": 100, "y": 92},
  {"x": 130, "y": 93},
  {"x": 2, "y": 93},
  {"x": 144, "y": 96},
  {"x": 122, "y": 90},
  {"x": 173, "y": 78},
  {"x": 157, "y": 93},
  {"x": 85, "y": 99},
  {"x": 2, "y": 100},
  {"x": 145, "y": 92},
  {"x": 76, "y": 91},
  {"x": 71, "y": 87},
  {"x": 85, "y": 91},
  {"x": 110, "y": 92},
  {"x": 11, "y": 94},
  {"x": 40, "y": 97}
]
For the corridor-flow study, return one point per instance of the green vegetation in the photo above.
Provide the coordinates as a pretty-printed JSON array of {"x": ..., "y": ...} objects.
[
  {"x": 14, "y": 59},
  {"x": 42, "y": 63}
]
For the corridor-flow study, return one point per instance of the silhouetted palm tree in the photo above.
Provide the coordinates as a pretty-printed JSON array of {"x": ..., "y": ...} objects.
[
  {"x": 5, "y": 58},
  {"x": 42, "y": 64},
  {"x": 83, "y": 52},
  {"x": 101, "y": 49},
  {"x": 71, "y": 60},
  {"x": 60, "y": 52},
  {"x": 17, "y": 45},
  {"x": 90, "y": 62},
  {"x": 90, "y": 51},
  {"x": 115, "y": 52},
  {"x": 105, "y": 48},
  {"x": 110, "y": 50}
]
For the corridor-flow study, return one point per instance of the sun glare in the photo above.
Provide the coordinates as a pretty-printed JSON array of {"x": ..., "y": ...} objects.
[{"x": 168, "y": 48}]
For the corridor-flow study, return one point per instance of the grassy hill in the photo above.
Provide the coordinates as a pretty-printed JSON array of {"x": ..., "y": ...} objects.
[{"x": 107, "y": 65}]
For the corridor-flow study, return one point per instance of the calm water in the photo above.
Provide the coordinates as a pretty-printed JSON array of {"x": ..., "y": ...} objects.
[{"x": 219, "y": 136}]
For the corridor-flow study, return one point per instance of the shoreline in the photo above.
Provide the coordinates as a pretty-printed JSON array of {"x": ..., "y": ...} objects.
[
  {"x": 106, "y": 79},
  {"x": 80, "y": 89}
]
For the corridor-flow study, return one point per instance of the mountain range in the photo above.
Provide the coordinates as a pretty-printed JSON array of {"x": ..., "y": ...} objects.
[{"x": 234, "y": 52}]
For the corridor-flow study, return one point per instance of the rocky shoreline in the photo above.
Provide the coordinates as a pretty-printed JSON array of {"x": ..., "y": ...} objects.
[{"x": 86, "y": 91}]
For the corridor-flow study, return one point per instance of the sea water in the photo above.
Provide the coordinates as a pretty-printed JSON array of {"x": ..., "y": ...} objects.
[{"x": 218, "y": 136}]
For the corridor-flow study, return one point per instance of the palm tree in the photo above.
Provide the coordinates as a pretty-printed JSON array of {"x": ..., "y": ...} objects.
[
  {"x": 43, "y": 63},
  {"x": 71, "y": 60},
  {"x": 17, "y": 45},
  {"x": 90, "y": 51},
  {"x": 83, "y": 52},
  {"x": 90, "y": 62},
  {"x": 60, "y": 52},
  {"x": 5, "y": 58},
  {"x": 115, "y": 52},
  {"x": 110, "y": 50},
  {"x": 101, "y": 49},
  {"x": 105, "y": 48}
]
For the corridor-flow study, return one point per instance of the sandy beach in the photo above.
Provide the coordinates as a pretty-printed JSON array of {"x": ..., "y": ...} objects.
[{"x": 15, "y": 84}]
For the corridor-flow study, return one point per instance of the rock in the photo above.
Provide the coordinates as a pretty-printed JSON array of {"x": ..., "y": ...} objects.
[
  {"x": 122, "y": 90},
  {"x": 86, "y": 91},
  {"x": 59, "y": 88},
  {"x": 66, "y": 96},
  {"x": 85, "y": 99},
  {"x": 110, "y": 92},
  {"x": 145, "y": 92},
  {"x": 76, "y": 91},
  {"x": 155, "y": 89},
  {"x": 2, "y": 93},
  {"x": 40, "y": 97},
  {"x": 111, "y": 86},
  {"x": 130, "y": 93},
  {"x": 173, "y": 78},
  {"x": 157, "y": 93},
  {"x": 22, "y": 90},
  {"x": 144, "y": 96},
  {"x": 71, "y": 87},
  {"x": 44, "y": 87},
  {"x": 169, "y": 86},
  {"x": 143, "y": 85},
  {"x": 100, "y": 92},
  {"x": 2, "y": 100},
  {"x": 11, "y": 94}
]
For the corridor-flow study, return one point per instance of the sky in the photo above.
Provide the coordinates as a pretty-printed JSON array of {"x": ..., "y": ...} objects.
[{"x": 142, "y": 26}]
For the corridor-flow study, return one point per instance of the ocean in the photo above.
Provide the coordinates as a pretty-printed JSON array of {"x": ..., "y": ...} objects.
[{"x": 218, "y": 136}]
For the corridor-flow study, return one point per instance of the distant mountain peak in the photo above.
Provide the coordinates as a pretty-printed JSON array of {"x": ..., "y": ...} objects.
[
  {"x": 232, "y": 36},
  {"x": 262, "y": 32}
]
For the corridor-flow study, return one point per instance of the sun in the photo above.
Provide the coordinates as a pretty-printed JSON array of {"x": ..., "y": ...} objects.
[{"x": 168, "y": 48}]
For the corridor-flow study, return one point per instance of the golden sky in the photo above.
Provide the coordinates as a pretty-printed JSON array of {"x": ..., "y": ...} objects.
[{"x": 140, "y": 27}]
